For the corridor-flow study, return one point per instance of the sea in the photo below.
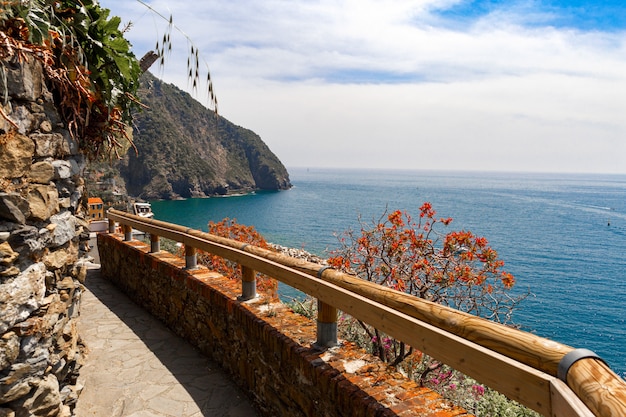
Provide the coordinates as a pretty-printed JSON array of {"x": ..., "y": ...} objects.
[{"x": 563, "y": 236}]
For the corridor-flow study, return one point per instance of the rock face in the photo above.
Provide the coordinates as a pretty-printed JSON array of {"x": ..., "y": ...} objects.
[
  {"x": 185, "y": 150},
  {"x": 40, "y": 229}
]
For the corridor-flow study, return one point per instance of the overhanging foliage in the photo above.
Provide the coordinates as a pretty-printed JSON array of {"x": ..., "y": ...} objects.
[{"x": 91, "y": 70}]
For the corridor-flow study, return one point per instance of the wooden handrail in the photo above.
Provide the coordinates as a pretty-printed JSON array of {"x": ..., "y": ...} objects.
[{"x": 518, "y": 364}]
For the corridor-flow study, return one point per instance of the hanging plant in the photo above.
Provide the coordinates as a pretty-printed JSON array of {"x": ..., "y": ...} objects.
[{"x": 88, "y": 63}]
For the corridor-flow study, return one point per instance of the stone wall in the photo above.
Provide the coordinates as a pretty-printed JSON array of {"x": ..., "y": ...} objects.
[
  {"x": 40, "y": 229},
  {"x": 264, "y": 345}
]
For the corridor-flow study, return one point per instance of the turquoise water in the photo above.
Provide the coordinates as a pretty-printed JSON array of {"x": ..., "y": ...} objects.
[{"x": 562, "y": 236}]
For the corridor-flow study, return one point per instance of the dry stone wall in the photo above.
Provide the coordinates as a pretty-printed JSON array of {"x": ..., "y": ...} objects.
[
  {"x": 266, "y": 347},
  {"x": 41, "y": 227}
]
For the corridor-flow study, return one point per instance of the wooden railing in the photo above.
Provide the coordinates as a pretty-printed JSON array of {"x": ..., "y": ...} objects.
[{"x": 551, "y": 378}]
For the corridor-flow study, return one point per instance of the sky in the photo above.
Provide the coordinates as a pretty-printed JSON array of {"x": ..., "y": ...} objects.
[{"x": 485, "y": 85}]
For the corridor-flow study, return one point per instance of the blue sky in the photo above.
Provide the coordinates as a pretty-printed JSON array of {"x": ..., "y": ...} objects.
[
  {"x": 412, "y": 84},
  {"x": 609, "y": 15}
]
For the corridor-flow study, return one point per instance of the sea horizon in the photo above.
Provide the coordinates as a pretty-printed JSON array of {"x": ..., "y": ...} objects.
[{"x": 453, "y": 170}]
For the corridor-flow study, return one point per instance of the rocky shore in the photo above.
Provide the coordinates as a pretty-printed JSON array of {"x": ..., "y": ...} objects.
[{"x": 298, "y": 254}]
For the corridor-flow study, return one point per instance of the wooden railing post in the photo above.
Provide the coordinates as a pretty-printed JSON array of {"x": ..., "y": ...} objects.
[
  {"x": 111, "y": 226},
  {"x": 191, "y": 261},
  {"x": 155, "y": 243},
  {"x": 248, "y": 283},
  {"x": 597, "y": 386},
  {"x": 128, "y": 232},
  {"x": 326, "y": 325}
]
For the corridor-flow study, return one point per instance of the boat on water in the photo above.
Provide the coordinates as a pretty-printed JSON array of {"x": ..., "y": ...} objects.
[{"x": 143, "y": 210}]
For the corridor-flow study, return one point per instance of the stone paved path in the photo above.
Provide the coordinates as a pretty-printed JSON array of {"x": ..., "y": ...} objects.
[{"x": 137, "y": 368}]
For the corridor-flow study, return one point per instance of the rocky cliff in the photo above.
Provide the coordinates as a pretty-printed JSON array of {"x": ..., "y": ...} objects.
[{"x": 186, "y": 150}]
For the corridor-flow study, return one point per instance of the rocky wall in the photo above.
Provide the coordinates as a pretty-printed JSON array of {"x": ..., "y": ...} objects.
[
  {"x": 41, "y": 226},
  {"x": 265, "y": 346}
]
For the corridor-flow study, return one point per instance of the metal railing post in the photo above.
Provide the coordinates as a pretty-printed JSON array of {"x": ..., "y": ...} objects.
[
  {"x": 248, "y": 283},
  {"x": 326, "y": 325},
  {"x": 155, "y": 243},
  {"x": 128, "y": 232},
  {"x": 191, "y": 259}
]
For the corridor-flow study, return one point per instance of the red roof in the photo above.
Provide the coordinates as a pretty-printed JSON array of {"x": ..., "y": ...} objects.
[{"x": 94, "y": 200}]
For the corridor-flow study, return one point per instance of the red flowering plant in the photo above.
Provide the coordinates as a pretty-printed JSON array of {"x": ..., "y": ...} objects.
[
  {"x": 456, "y": 269},
  {"x": 229, "y": 228}
]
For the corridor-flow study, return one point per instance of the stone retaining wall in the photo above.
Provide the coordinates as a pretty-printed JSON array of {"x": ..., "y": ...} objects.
[
  {"x": 40, "y": 231},
  {"x": 263, "y": 344}
]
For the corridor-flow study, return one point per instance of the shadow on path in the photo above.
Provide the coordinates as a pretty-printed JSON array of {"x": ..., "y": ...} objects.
[{"x": 136, "y": 367}]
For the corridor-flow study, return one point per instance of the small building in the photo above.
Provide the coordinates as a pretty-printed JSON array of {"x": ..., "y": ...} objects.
[{"x": 95, "y": 208}]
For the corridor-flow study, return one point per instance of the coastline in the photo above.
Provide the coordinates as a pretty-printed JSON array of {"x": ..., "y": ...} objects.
[{"x": 298, "y": 253}]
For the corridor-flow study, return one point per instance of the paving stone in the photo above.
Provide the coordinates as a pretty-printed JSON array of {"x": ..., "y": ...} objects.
[
  {"x": 152, "y": 391},
  {"x": 137, "y": 368},
  {"x": 145, "y": 413}
]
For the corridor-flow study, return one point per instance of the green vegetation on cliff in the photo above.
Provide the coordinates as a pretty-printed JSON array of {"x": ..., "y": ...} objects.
[{"x": 186, "y": 150}]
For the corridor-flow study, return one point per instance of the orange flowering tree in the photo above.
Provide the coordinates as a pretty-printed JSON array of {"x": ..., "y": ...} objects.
[
  {"x": 229, "y": 228},
  {"x": 416, "y": 256}
]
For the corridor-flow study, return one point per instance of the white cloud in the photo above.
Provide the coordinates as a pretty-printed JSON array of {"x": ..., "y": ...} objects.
[
  {"x": 458, "y": 125},
  {"x": 492, "y": 94}
]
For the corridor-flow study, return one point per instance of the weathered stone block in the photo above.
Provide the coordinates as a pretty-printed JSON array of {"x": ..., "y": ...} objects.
[
  {"x": 68, "y": 341},
  {"x": 31, "y": 326},
  {"x": 10, "y": 271},
  {"x": 58, "y": 259},
  {"x": 35, "y": 348},
  {"x": 24, "y": 78},
  {"x": 65, "y": 229},
  {"x": 22, "y": 295},
  {"x": 5, "y": 126},
  {"x": 53, "y": 145},
  {"x": 24, "y": 119},
  {"x": 27, "y": 241},
  {"x": 7, "y": 412},
  {"x": 79, "y": 271},
  {"x": 16, "y": 155},
  {"x": 62, "y": 169},
  {"x": 45, "y": 126},
  {"x": 14, "y": 208},
  {"x": 64, "y": 188},
  {"x": 7, "y": 254},
  {"x": 75, "y": 199},
  {"x": 17, "y": 388},
  {"x": 9, "y": 349},
  {"x": 37, "y": 108},
  {"x": 41, "y": 172},
  {"x": 45, "y": 401},
  {"x": 59, "y": 367},
  {"x": 69, "y": 394},
  {"x": 78, "y": 163},
  {"x": 52, "y": 114},
  {"x": 21, "y": 377},
  {"x": 65, "y": 203},
  {"x": 43, "y": 201}
]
